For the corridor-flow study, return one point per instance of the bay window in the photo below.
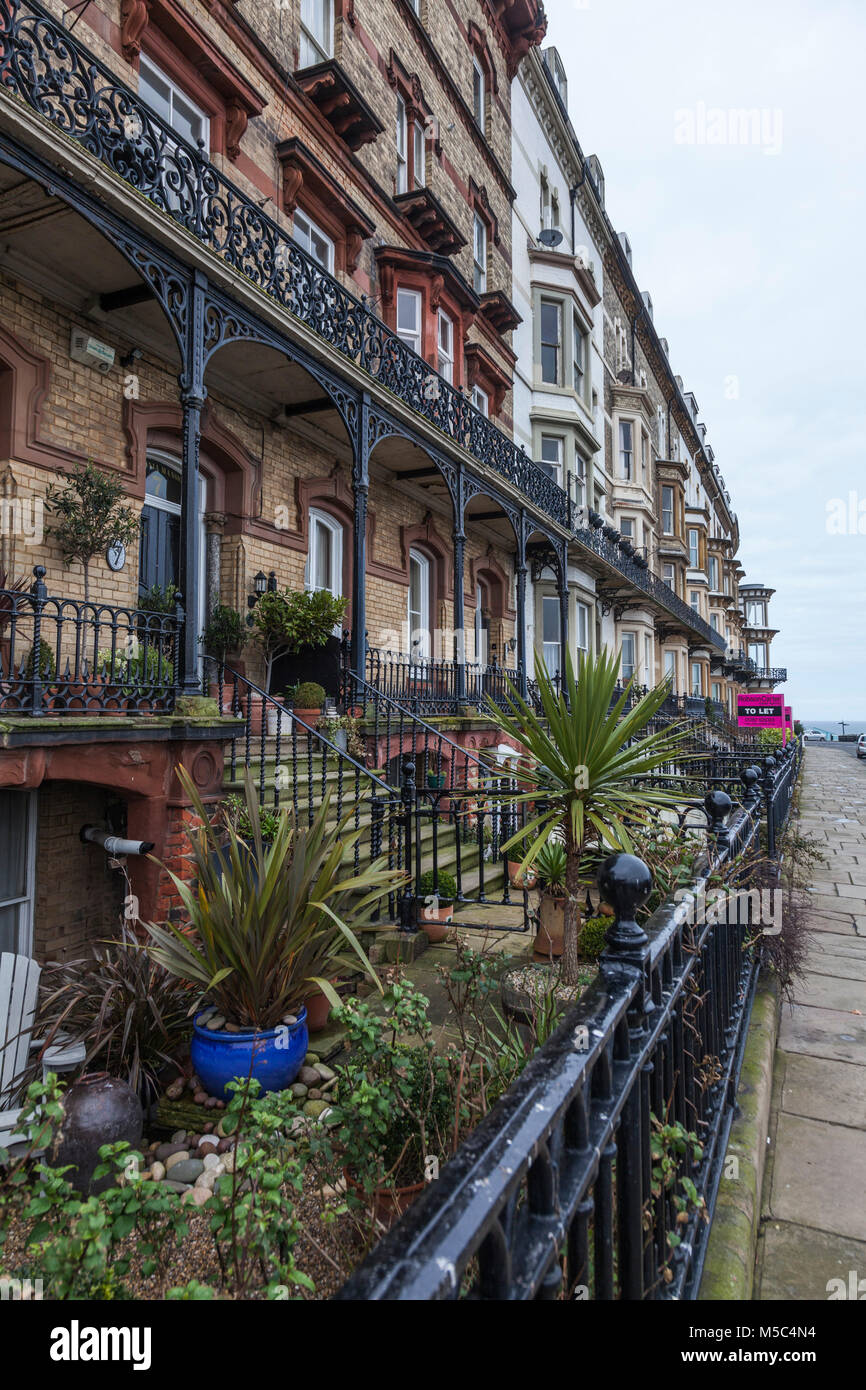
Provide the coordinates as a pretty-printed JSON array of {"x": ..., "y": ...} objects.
[
  {"x": 551, "y": 341},
  {"x": 579, "y": 479},
  {"x": 694, "y": 548},
  {"x": 409, "y": 318},
  {"x": 550, "y": 634},
  {"x": 582, "y": 616},
  {"x": 668, "y": 511},
  {"x": 481, "y": 400},
  {"x": 445, "y": 352},
  {"x": 313, "y": 240},
  {"x": 551, "y": 455},
  {"x": 627, "y": 656},
  {"x": 626, "y": 449},
  {"x": 479, "y": 255}
]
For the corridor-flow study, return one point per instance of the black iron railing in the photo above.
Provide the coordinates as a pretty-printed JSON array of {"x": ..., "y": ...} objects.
[
  {"x": 458, "y": 802},
  {"x": 43, "y": 65},
  {"x": 553, "y": 1196},
  {"x": 73, "y": 657},
  {"x": 434, "y": 686},
  {"x": 769, "y": 673}
]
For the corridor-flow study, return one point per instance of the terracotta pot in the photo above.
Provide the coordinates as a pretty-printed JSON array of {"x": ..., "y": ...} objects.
[
  {"x": 310, "y": 717},
  {"x": 528, "y": 880},
  {"x": 551, "y": 926},
  {"x": 253, "y": 707},
  {"x": 390, "y": 1202},
  {"x": 435, "y": 921},
  {"x": 213, "y": 691},
  {"x": 318, "y": 1008},
  {"x": 97, "y": 1109}
]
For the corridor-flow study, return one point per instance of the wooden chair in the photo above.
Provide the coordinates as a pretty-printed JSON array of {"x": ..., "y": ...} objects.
[{"x": 19, "y": 992}]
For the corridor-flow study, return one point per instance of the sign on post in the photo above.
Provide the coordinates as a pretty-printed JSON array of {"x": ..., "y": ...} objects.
[{"x": 762, "y": 710}]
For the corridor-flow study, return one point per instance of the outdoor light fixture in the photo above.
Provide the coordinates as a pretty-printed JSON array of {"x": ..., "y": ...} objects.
[{"x": 262, "y": 584}]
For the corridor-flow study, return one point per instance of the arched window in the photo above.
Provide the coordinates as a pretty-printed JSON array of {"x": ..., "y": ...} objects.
[
  {"x": 325, "y": 555},
  {"x": 482, "y": 626},
  {"x": 419, "y": 606}
]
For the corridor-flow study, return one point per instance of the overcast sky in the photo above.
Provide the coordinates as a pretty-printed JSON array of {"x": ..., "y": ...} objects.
[{"x": 754, "y": 254}]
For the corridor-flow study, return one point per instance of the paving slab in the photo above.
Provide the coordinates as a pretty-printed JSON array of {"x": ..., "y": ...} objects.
[
  {"x": 824, "y": 991},
  {"x": 820, "y": 1089},
  {"x": 823, "y": 1033},
  {"x": 819, "y": 1176},
  {"x": 801, "y": 1263},
  {"x": 850, "y": 967}
]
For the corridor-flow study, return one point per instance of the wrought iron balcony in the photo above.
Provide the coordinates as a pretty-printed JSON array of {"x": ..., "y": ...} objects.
[
  {"x": 769, "y": 673},
  {"x": 50, "y": 71}
]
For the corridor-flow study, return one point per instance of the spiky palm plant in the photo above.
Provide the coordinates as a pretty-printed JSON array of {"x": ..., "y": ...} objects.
[
  {"x": 582, "y": 768},
  {"x": 266, "y": 923}
]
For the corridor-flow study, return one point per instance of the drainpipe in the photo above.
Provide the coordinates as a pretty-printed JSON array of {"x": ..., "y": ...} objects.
[{"x": 572, "y": 197}]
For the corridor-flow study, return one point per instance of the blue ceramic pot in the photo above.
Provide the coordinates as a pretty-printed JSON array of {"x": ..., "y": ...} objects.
[{"x": 274, "y": 1057}]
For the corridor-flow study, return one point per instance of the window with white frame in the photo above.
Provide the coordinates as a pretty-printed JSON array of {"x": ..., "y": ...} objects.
[
  {"x": 695, "y": 600},
  {"x": 419, "y": 152},
  {"x": 648, "y": 673},
  {"x": 551, "y": 455},
  {"x": 697, "y": 679},
  {"x": 578, "y": 356},
  {"x": 626, "y": 527},
  {"x": 579, "y": 479},
  {"x": 714, "y": 621},
  {"x": 627, "y": 656},
  {"x": 668, "y": 511},
  {"x": 17, "y": 872},
  {"x": 551, "y": 634},
  {"x": 671, "y": 669},
  {"x": 479, "y": 95},
  {"x": 758, "y": 654},
  {"x": 313, "y": 240},
  {"x": 419, "y": 606},
  {"x": 178, "y": 111},
  {"x": 551, "y": 341},
  {"x": 756, "y": 614},
  {"x": 402, "y": 134},
  {"x": 479, "y": 254},
  {"x": 445, "y": 351},
  {"x": 694, "y": 547},
  {"x": 717, "y": 692},
  {"x": 317, "y": 32},
  {"x": 409, "y": 318},
  {"x": 713, "y": 572},
  {"x": 644, "y": 453},
  {"x": 325, "y": 554},
  {"x": 669, "y": 576},
  {"x": 626, "y": 449},
  {"x": 581, "y": 611},
  {"x": 481, "y": 400},
  {"x": 661, "y": 442}
]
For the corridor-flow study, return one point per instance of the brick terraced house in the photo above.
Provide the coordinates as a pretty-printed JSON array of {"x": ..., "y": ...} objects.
[{"x": 277, "y": 268}]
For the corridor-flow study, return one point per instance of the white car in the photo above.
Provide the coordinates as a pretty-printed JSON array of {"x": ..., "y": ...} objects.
[
  {"x": 814, "y": 736},
  {"x": 861, "y": 746}
]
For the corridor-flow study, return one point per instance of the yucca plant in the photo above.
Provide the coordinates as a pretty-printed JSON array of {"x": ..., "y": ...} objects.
[
  {"x": 266, "y": 921},
  {"x": 583, "y": 762}
]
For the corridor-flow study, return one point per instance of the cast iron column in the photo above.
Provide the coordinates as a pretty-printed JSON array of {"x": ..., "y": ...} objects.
[
  {"x": 520, "y": 569},
  {"x": 360, "y": 489},
  {"x": 459, "y": 614},
  {"x": 192, "y": 397}
]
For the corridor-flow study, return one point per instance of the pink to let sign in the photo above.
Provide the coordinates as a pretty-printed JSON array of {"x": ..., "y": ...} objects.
[
  {"x": 761, "y": 711},
  {"x": 789, "y": 720}
]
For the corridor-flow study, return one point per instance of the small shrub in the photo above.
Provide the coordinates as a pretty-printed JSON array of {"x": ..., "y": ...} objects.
[
  {"x": 443, "y": 885},
  {"x": 593, "y": 937},
  {"x": 309, "y": 695}
]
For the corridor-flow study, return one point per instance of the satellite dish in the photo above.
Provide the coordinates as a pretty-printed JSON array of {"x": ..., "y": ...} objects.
[{"x": 550, "y": 236}]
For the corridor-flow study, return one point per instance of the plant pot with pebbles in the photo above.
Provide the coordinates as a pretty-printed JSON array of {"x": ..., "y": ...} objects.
[
  {"x": 435, "y": 903},
  {"x": 266, "y": 923}
]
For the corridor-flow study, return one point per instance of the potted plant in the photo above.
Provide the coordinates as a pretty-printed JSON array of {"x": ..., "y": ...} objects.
[
  {"x": 308, "y": 701},
  {"x": 89, "y": 515},
  {"x": 550, "y": 866},
  {"x": 436, "y": 894},
  {"x": 264, "y": 923},
  {"x": 343, "y": 730},
  {"x": 583, "y": 756},
  {"x": 285, "y": 622},
  {"x": 521, "y": 877}
]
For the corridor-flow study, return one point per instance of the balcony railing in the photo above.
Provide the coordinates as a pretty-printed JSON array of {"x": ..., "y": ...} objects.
[
  {"x": 434, "y": 687},
  {"x": 64, "y": 656},
  {"x": 769, "y": 673}
]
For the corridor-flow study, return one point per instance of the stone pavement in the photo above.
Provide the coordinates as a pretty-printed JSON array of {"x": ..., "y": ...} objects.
[{"x": 814, "y": 1205}]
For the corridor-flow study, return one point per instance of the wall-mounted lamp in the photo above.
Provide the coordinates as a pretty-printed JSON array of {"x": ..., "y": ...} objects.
[{"x": 262, "y": 584}]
